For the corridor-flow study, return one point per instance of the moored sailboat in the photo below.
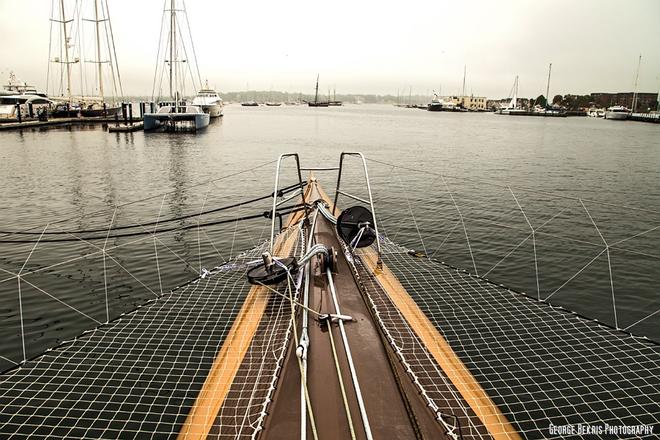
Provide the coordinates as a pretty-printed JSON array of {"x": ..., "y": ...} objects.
[
  {"x": 175, "y": 114},
  {"x": 67, "y": 51},
  {"x": 512, "y": 107},
  {"x": 316, "y": 102}
]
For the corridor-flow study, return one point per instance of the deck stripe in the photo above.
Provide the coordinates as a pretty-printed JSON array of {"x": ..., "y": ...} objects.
[
  {"x": 229, "y": 359},
  {"x": 482, "y": 405}
]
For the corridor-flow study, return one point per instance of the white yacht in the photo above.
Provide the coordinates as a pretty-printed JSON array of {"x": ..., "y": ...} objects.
[
  {"x": 9, "y": 105},
  {"x": 209, "y": 100},
  {"x": 17, "y": 94},
  {"x": 617, "y": 112}
]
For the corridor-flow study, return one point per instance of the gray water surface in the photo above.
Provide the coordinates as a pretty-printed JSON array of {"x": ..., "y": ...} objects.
[{"x": 465, "y": 188}]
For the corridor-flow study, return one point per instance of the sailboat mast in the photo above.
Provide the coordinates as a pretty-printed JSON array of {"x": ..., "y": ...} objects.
[
  {"x": 316, "y": 96},
  {"x": 172, "y": 42},
  {"x": 464, "y": 72},
  {"x": 66, "y": 52},
  {"x": 98, "y": 47},
  {"x": 547, "y": 90},
  {"x": 515, "y": 93},
  {"x": 634, "y": 102}
]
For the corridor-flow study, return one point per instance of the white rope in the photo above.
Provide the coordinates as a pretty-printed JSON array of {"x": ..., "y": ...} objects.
[
  {"x": 349, "y": 357},
  {"x": 347, "y": 409},
  {"x": 536, "y": 263},
  {"x": 467, "y": 238},
  {"x": 609, "y": 263}
]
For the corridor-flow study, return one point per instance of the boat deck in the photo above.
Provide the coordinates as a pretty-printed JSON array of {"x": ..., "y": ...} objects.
[{"x": 385, "y": 401}]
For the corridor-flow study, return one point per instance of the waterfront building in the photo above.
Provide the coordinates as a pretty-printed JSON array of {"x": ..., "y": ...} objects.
[{"x": 645, "y": 101}]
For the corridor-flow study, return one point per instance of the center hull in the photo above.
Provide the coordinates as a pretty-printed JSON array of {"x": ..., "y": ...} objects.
[{"x": 195, "y": 121}]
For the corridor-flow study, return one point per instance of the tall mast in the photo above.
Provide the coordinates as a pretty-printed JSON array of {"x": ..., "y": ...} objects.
[
  {"x": 66, "y": 52},
  {"x": 514, "y": 100},
  {"x": 98, "y": 47},
  {"x": 547, "y": 90},
  {"x": 172, "y": 43},
  {"x": 634, "y": 102},
  {"x": 463, "y": 93},
  {"x": 316, "y": 96}
]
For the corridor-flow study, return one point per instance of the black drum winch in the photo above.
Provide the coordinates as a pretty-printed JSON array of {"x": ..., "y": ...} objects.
[{"x": 355, "y": 226}]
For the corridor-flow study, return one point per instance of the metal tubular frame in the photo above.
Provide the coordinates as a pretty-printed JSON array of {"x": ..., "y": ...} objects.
[
  {"x": 370, "y": 201},
  {"x": 275, "y": 191}
]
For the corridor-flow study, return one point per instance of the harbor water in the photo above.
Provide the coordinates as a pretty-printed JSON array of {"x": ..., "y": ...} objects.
[{"x": 562, "y": 209}]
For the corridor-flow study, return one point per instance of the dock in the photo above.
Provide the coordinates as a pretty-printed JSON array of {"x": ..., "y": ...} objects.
[
  {"x": 61, "y": 122},
  {"x": 653, "y": 118}
]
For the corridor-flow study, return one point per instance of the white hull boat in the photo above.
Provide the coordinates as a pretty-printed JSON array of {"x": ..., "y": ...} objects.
[
  {"x": 617, "y": 113},
  {"x": 177, "y": 118},
  {"x": 209, "y": 100}
]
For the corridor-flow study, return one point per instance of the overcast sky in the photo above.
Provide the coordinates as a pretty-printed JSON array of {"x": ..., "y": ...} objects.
[{"x": 361, "y": 46}]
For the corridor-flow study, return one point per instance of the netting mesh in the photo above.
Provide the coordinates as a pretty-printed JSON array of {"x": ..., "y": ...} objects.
[
  {"x": 541, "y": 365},
  {"x": 436, "y": 388},
  {"x": 245, "y": 407},
  {"x": 136, "y": 377}
]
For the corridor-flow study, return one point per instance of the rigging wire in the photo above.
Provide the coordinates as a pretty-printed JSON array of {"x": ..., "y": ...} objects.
[
  {"x": 265, "y": 214},
  {"x": 199, "y": 76},
  {"x": 160, "y": 41},
  {"x": 280, "y": 193},
  {"x": 110, "y": 209}
]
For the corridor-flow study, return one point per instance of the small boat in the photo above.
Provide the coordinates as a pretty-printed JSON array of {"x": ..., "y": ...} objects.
[
  {"x": 209, "y": 100},
  {"x": 335, "y": 102},
  {"x": 273, "y": 104},
  {"x": 617, "y": 113},
  {"x": 440, "y": 105},
  {"x": 596, "y": 113},
  {"x": 436, "y": 104},
  {"x": 316, "y": 102},
  {"x": 512, "y": 107},
  {"x": 175, "y": 117},
  {"x": 250, "y": 104}
]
